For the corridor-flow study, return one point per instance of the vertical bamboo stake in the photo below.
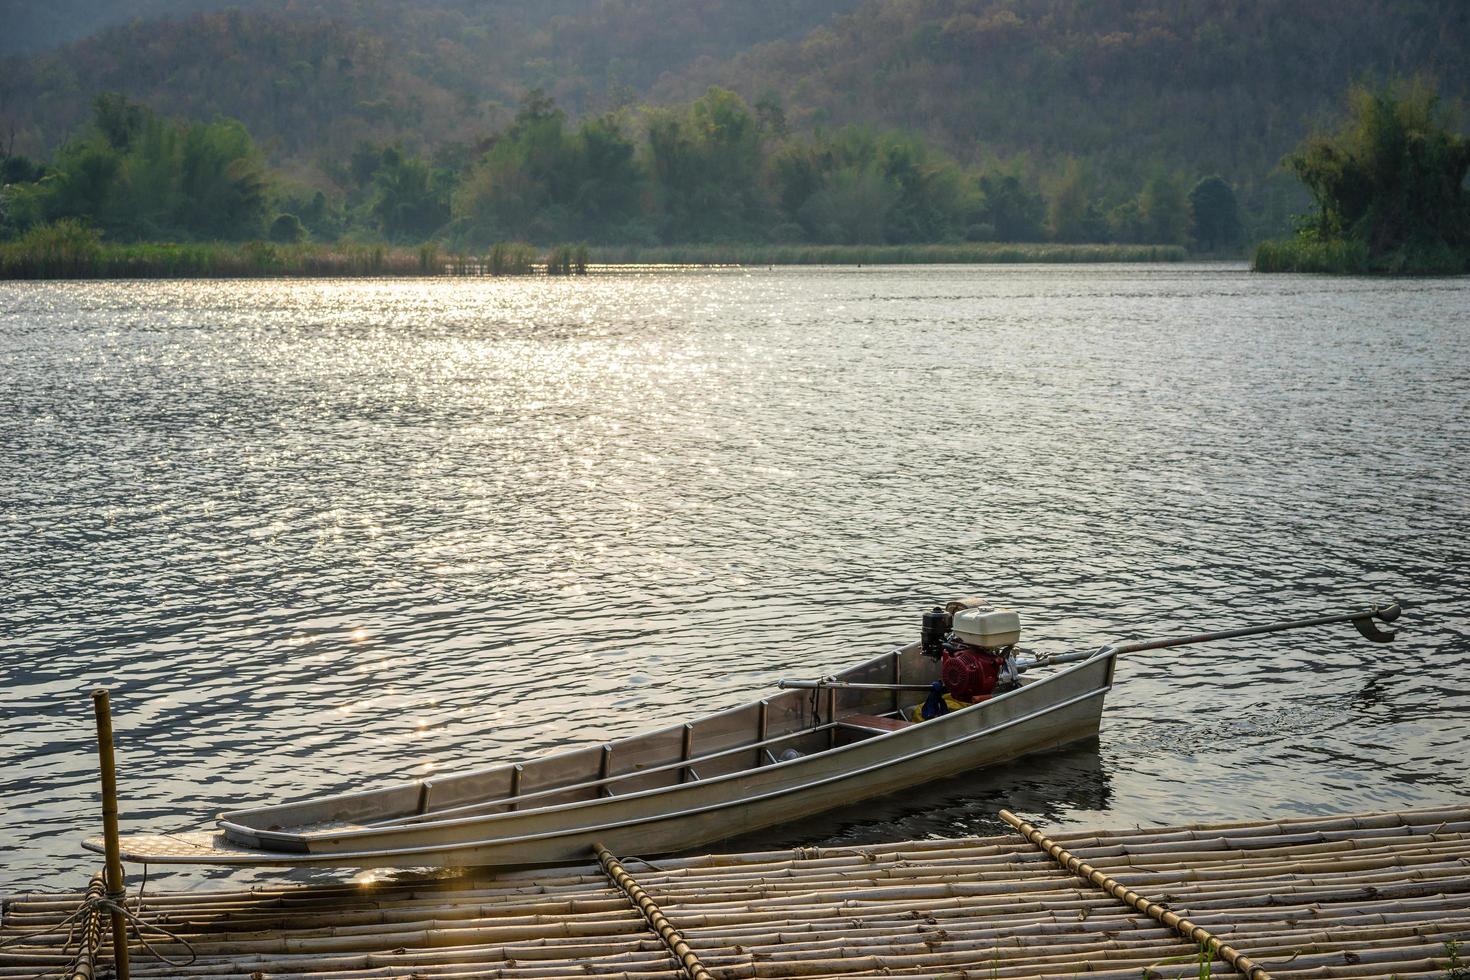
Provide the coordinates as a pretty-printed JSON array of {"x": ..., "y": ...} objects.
[{"x": 116, "y": 888}]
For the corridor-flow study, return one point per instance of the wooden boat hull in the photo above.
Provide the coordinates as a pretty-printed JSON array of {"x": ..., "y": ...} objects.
[{"x": 668, "y": 816}]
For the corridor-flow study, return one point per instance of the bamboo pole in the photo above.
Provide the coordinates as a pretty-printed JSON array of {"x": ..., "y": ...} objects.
[
  {"x": 84, "y": 967},
  {"x": 681, "y": 951},
  {"x": 116, "y": 885},
  {"x": 1386, "y": 829},
  {"x": 470, "y": 956},
  {"x": 880, "y": 908},
  {"x": 1244, "y": 964},
  {"x": 1050, "y": 941},
  {"x": 1385, "y": 901},
  {"x": 307, "y": 946}
]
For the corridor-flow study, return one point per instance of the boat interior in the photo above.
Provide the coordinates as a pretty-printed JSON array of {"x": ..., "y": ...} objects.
[{"x": 790, "y": 725}]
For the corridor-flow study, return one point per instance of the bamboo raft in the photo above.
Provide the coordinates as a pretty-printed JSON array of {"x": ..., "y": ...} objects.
[{"x": 1384, "y": 894}]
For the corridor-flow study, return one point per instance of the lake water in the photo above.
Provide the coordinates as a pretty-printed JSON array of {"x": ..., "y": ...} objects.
[{"x": 313, "y": 533}]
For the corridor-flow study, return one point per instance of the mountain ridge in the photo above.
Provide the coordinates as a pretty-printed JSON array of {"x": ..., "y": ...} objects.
[{"x": 1107, "y": 92}]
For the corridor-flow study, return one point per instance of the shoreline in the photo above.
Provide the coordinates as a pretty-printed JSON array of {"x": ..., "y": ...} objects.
[
  {"x": 1348, "y": 257},
  {"x": 263, "y": 260}
]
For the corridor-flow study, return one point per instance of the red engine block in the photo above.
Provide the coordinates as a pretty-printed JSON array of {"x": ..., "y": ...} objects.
[{"x": 970, "y": 673}]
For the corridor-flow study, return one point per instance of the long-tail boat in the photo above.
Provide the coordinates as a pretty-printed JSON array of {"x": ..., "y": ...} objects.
[{"x": 961, "y": 698}]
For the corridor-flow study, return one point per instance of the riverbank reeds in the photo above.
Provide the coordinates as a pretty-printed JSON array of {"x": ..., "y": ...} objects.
[
  {"x": 1350, "y": 257},
  {"x": 68, "y": 250},
  {"x": 71, "y": 250},
  {"x": 1294, "y": 255},
  {"x": 511, "y": 259},
  {"x": 567, "y": 260},
  {"x": 953, "y": 254}
]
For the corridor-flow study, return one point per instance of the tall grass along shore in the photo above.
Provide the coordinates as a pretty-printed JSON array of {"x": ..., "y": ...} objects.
[
  {"x": 72, "y": 251},
  {"x": 69, "y": 250},
  {"x": 967, "y": 253},
  {"x": 1351, "y": 257}
]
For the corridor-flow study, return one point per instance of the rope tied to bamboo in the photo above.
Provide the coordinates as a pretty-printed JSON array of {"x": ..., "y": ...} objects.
[
  {"x": 1246, "y": 966},
  {"x": 682, "y": 952},
  {"x": 87, "y": 918},
  {"x": 97, "y": 903}
]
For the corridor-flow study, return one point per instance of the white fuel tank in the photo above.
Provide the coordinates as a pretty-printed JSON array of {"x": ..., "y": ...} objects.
[{"x": 987, "y": 627}]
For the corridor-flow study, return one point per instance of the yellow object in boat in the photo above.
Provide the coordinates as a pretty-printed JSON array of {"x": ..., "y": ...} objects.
[{"x": 916, "y": 713}]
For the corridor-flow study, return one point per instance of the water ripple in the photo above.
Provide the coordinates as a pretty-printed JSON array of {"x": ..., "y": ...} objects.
[{"x": 313, "y": 533}]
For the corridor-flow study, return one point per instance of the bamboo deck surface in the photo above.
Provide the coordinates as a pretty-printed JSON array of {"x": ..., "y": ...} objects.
[{"x": 1355, "y": 896}]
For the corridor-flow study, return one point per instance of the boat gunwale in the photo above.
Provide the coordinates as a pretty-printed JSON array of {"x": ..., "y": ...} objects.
[
  {"x": 417, "y": 819},
  {"x": 576, "y": 805},
  {"x": 267, "y": 857},
  {"x": 224, "y": 819}
]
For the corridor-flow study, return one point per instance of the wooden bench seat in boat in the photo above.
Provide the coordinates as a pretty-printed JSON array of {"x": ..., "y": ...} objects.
[{"x": 873, "y": 723}]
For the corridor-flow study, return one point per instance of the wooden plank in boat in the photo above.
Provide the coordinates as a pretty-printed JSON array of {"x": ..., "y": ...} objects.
[{"x": 873, "y": 723}]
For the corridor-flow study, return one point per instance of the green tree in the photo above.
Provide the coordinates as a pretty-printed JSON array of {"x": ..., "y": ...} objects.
[
  {"x": 1014, "y": 211},
  {"x": 118, "y": 120},
  {"x": 321, "y": 218},
  {"x": 610, "y": 184},
  {"x": 1215, "y": 215},
  {"x": 796, "y": 171},
  {"x": 934, "y": 203},
  {"x": 1164, "y": 211},
  {"x": 16, "y": 169},
  {"x": 364, "y": 162},
  {"x": 705, "y": 165},
  {"x": 541, "y": 182},
  {"x": 1071, "y": 214},
  {"x": 149, "y": 202},
  {"x": 137, "y": 176},
  {"x": 1125, "y": 222},
  {"x": 22, "y": 206},
  {"x": 223, "y": 181},
  {"x": 772, "y": 116},
  {"x": 287, "y": 229},
  {"x": 82, "y": 186},
  {"x": 852, "y": 207},
  {"x": 1392, "y": 178},
  {"x": 412, "y": 201},
  {"x": 856, "y": 185}
]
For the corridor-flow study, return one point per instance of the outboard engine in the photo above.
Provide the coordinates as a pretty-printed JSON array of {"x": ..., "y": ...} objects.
[{"x": 975, "y": 645}]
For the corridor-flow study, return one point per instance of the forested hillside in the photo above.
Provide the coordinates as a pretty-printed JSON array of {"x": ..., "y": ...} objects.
[
  {"x": 311, "y": 77},
  {"x": 1127, "y": 87},
  {"x": 1103, "y": 113}
]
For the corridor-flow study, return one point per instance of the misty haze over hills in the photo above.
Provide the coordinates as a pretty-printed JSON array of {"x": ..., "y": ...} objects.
[
  {"x": 1113, "y": 90},
  {"x": 32, "y": 26},
  {"x": 370, "y": 68}
]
